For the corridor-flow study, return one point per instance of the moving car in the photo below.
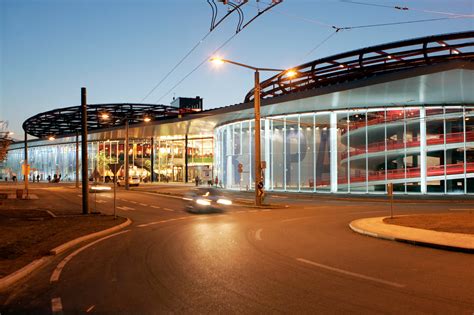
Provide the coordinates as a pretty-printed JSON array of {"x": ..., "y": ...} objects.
[
  {"x": 132, "y": 181},
  {"x": 202, "y": 200}
]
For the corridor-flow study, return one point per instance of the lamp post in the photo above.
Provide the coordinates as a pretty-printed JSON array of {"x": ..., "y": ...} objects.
[{"x": 256, "y": 101}]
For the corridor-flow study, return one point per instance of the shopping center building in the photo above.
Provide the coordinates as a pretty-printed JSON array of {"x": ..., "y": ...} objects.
[{"x": 400, "y": 113}]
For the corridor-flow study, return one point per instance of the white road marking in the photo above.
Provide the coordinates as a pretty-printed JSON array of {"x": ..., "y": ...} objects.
[
  {"x": 461, "y": 209},
  {"x": 59, "y": 268},
  {"x": 131, "y": 201},
  {"x": 258, "y": 235},
  {"x": 152, "y": 223},
  {"x": 168, "y": 209},
  {"x": 90, "y": 308},
  {"x": 266, "y": 210},
  {"x": 106, "y": 196},
  {"x": 126, "y": 208},
  {"x": 350, "y": 273},
  {"x": 143, "y": 204},
  {"x": 56, "y": 305},
  {"x": 253, "y": 211},
  {"x": 101, "y": 201},
  {"x": 240, "y": 211},
  {"x": 156, "y": 207},
  {"x": 295, "y": 219},
  {"x": 80, "y": 196}
]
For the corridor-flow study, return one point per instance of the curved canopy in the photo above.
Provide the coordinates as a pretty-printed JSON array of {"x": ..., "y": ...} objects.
[
  {"x": 67, "y": 121},
  {"x": 369, "y": 62}
]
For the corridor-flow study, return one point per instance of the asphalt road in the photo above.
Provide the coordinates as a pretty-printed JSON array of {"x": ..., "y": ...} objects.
[{"x": 300, "y": 259}]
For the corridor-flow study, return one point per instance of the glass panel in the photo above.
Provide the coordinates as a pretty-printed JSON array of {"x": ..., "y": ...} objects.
[
  {"x": 358, "y": 146},
  {"x": 307, "y": 152},
  {"x": 323, "y": 159},
  {"x": 376, "y": 150},
  {"x": 412, "y": 142},
  {"x": 342, "y": 151},
  {"x": 292, "y": 135},
  {"x": 277, "y": 155},
  {"x": 396, "y": 148}
]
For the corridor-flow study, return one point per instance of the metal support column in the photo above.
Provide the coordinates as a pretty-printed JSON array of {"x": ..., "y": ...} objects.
[
  {"x": 26, "y": 168},
  {"x": 258, "y": 162},
  {"x": 186, "y": 172},
  {"x": 125, "y": 152},
  {"x": 152, "y": 160},
  {"x": 77, "y": 159},
  {"x": 85, "y": 177}
]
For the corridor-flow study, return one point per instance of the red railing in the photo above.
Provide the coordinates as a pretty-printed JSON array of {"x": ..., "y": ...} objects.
[
  {"x": 414, "y": 172},
  {"x": 454, "y": 137}
]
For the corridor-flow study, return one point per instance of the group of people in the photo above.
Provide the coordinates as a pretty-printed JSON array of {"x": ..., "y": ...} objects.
[{"x": 197, "y": 180}]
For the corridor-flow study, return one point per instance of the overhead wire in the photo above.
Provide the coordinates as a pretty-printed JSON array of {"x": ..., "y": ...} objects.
[
  {"x": 405, "y": 8},
  {"x": 219, "y": 48},
  {"x": 213, "y": 27}
]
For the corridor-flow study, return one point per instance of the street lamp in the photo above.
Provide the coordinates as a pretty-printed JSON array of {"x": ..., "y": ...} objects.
[{"x": 256, "y": 100}]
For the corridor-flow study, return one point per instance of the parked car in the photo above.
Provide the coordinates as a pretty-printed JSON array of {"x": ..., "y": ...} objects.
[
  {"x": 132, "y": 181},
  {"x": 202, "y": 200}
]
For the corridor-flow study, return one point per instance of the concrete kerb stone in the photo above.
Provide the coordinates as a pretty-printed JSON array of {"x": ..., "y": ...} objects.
[
  {"x": 16, "y": 276},
  {"x": 68, "y": 245},
  {"x": 375, "y": 227}
]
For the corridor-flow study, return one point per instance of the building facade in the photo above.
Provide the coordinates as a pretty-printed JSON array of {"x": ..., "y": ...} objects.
[{"x": 400, "y": 113}]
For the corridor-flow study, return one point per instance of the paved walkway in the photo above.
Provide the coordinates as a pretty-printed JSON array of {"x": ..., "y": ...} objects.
[{"x": 375, "y": 227}]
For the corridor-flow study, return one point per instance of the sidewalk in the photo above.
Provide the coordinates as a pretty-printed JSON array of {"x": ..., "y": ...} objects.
[{"x": 375, "y": 227}]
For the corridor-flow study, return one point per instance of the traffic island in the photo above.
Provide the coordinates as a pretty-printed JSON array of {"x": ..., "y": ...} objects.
[
  {"x": 30, "y": 235},
  {"x": 450, "y": 231}
]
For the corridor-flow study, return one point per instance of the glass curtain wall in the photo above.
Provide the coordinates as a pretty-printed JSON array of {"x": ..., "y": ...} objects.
[{"x": 374, "y": 146}]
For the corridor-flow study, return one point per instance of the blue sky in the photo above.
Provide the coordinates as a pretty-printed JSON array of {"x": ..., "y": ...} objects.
[{"x": 120, "y": 49}]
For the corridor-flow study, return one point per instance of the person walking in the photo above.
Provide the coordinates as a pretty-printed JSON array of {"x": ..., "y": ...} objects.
[{"x": 196, "y": 179}]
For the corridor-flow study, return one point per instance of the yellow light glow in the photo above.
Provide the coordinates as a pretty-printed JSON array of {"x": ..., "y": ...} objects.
[
  {"x": 291, "y": 73},
  {"x": 51, "y": 138},
  {"x": 147, "y": 119},
  {"x": 104, "y": 115},
  {"x": 217, "y": 60}
]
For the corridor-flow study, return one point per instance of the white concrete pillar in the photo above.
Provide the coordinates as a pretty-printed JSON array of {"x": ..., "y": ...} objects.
[
  {"x": 333, "y": 150},
  {"x": 423, "y": 150}
]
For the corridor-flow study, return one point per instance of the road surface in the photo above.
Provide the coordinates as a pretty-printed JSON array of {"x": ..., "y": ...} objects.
[{"x": 298, "y": 259}]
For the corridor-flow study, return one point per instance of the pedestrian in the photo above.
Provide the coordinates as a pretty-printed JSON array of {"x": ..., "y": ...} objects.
[
  {"x": 49, "y": 178},
  {"x": 216, "y": 181},
  {"x": 196, "y": 179},
  {"x": 38, "y": 178}
]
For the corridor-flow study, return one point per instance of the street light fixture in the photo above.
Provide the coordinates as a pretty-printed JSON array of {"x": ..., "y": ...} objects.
[{"x": 258, "y": 163}]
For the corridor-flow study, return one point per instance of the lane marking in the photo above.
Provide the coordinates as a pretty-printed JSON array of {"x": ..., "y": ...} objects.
[
  {"x": 295, "y": 219},
  {"x": 151, "y": 223},
  {"x": 56, "y": 305},
  {"x": 240, "y": 211},
  {"x": 59, "y": 268},
  {"x": 266, "y": 210},
  {"x": 90, "y": 308},
  {"x": 156, "y": 207},
  {"x": 168, "y": 209},
  {"x": 126, "y": 208},
  {"x": 101, "y": 201},
  {"x": 143, "y": 204},
  {"x": 79, "y": 196},
  {"x": 350, "y": 273},
  {"x": 162, "y": 221},
  {"x": 131, "y": 201},
  {"x": 253, "y": 211},
  {"x": 461, "y": 209},
  {"x": 258, "y": 234}
]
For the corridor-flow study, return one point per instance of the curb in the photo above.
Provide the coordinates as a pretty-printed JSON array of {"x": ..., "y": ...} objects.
[
  {"x": 12, "y": 278},
  {"x": 412, "y": 242},
  {"x": 74, "y": 242},
  {"x": 16, "y": 276}
]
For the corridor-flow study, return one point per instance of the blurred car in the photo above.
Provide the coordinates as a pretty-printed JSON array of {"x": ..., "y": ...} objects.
[
  {"x": 132, "y": 181},
  {"x": 202, "y": 200}
]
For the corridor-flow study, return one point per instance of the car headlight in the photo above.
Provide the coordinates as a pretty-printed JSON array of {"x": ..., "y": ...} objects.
[
  {"x": 203, "y": 202},
  {"x": 100, "y": 188},
  {"x": 223, "y": 201}
]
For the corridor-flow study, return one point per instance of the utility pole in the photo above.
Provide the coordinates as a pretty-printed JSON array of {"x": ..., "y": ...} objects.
[
  {"x": 85, "y": 177},
  {"x": 77, "y": 159},
  {"x": 125, "y": 152},
  {"x": 258, "y": 159}
]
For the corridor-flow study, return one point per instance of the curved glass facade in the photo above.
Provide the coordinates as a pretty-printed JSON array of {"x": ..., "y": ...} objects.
[{"x": 420, "y": 149}]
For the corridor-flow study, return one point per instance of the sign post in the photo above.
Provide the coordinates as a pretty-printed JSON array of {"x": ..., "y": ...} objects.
[
  {"x": 390, "y": 195},
  {"x": 114, "y": 168}
]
